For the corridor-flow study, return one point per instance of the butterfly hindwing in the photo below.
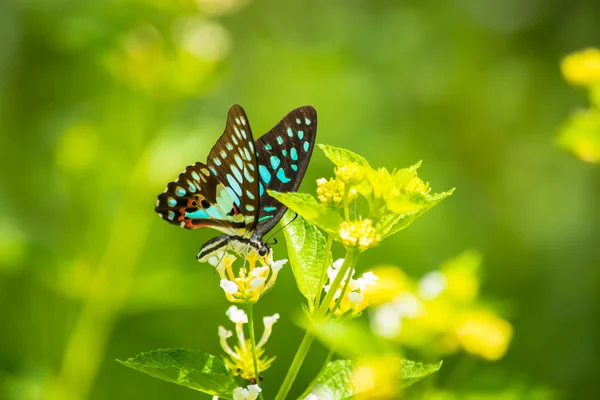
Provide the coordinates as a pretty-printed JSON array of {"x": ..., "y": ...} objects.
[
  {"x": 233, "y": 161},
  {"x": 283, "y": 155},
  {"x": 198, "y": 199}
]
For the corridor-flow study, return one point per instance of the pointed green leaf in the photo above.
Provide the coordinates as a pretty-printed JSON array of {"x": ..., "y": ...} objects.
[
  {"x": 413, "y": 371},
  {"x": 340, "y": 156},
  {"x": 306, "y": 250},
  {"x": 408, "y": 208},
  {"x": 334, "y": 381},
  {"x": 307, "y": 207},
  {"x": 191, "y": 368}
]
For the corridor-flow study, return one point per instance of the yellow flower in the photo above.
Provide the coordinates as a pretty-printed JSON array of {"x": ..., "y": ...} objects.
[
  {"x": 582, "y": 67},
  {"x": 377, "y": 377},
  {"x": 360, "y": 234},
  {"x": 352, "y": 174},
  {"x": 484, "y": 334}
]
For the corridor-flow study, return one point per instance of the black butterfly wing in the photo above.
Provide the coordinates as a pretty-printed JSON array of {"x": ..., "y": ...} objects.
[
  {"x": 233, "y": 161},
  {"x": 198, "y": 199},
  {"x": 283, "y": 155}
]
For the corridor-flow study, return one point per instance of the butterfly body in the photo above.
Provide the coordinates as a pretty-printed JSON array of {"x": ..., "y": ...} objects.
[{"x": 229, "y": 192}]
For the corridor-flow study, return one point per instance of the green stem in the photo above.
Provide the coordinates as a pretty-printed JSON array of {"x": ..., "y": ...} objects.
[
  {"x": 346, "y": 195},
  {"x": 326, "y": 259},
  {"x": 253, "y": 343},
  {"x": 295, "y": 367},
  {"x": 349, "y": 262},
  {"x": 339, "y": 300},
  {"x": 314, "y": 381},
  {"x": 309, "y": 336}
]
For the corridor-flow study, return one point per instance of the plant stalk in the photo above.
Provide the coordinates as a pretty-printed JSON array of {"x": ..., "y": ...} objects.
[{"x": 253, "y": 343}]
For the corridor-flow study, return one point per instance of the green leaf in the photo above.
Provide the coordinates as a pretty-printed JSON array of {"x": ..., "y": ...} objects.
[
  {"x": 340, "y": 156},
  {"x": 334, "y": 381},
  {"x": 307, "y": 207},
  {"x": 191, "y": 368},
  {"x": 413, "y": 371},
  {"x": 306, "y": 250},
  {"x": 408, "y": 208}
]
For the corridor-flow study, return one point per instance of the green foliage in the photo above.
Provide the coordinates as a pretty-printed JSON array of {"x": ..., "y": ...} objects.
[
  {"x": 307, "y": 207},
  {"x": 341, "y": 157},
  {"x": 396, "y": 198},
  {"x": 412, "y": 371},
  {"x": 190, "y": 368},
  {"x": 306, "y": 252},
  {"x": 335, "y": 379}
]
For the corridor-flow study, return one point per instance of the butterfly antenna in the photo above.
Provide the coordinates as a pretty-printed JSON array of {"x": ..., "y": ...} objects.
[{"x": 280, "y": 229}]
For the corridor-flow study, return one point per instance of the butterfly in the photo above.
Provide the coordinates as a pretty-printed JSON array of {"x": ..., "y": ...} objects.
[{"x": 229, "y": 192}]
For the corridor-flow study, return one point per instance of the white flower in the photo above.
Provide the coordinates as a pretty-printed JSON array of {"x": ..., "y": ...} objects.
[
  {"x": 236, "y": 315},
  {"x": 229, "y": 286},
  {"x": 224, "y": 333},
  {"x": 311, "y": 396},
  {"x": 259, "y": 272},
  {"x": 269, "y": 322},
  {"x": 251, "y": 393},
  {"x": 432, "y": 285},
  {"x": 355, "y": 298},
  {"x": 277, "y": 265},
  {"x": 256, "y": 283}
]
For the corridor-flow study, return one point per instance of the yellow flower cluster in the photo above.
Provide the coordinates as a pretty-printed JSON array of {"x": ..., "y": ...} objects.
[
  {"x": 360, "y": 234},
  {"x": 351, "y": 174},
  {"x": 582, "y": 67},
  {"x": 330, "y": 192},
  {"x": 440, "y": 311}
]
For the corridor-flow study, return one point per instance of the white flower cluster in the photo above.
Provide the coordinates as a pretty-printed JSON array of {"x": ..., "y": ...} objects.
[{"x": 354, "y": 297}]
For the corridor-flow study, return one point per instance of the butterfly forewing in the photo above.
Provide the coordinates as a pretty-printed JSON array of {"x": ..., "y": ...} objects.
[
  {"x": 233, "y": 162},
  {"x": 197, "y": 199},
  {"x": 283, "y": 154}
]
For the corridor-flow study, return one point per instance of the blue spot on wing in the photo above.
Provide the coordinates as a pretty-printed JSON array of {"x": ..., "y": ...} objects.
[
  {"x": 290, "y": 132},
  {"x": 294, "y": 167},
  {"x": 269, "y": 209},
  {"x": 234, "y": 185},
  {"x": 261, "y": 189},
  {"x": 261, "y": 219},
  {"x": 172, "y": 202},
  {"x": 293, "y": 154},
  {"x": 281, "y": 176},
  {"x": 180, "y": 191},
  {"x": 264, "y": 174},
  {"x": 268, "y": 146},
  {"x": 198, "y": 214},
  {"x": 275, "y": 162},
  {"x": 305, "y": 146}
]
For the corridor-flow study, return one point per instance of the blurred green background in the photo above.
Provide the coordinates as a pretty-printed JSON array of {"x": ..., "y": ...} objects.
[{"x": 103, "y": 102}]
